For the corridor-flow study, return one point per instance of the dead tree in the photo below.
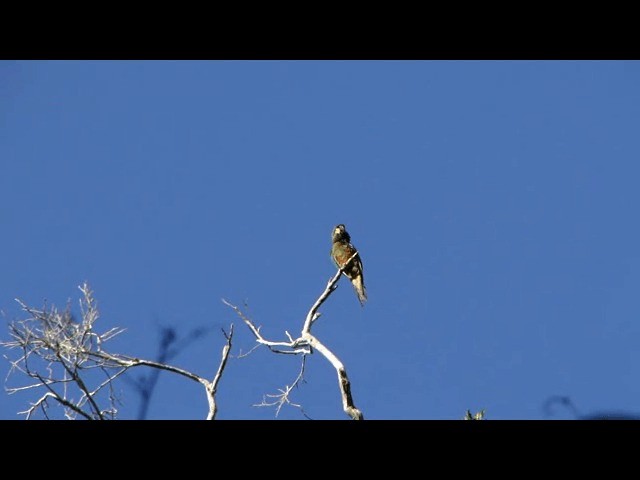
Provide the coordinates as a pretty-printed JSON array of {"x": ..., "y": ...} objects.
[{"x": 68, "y": 362}]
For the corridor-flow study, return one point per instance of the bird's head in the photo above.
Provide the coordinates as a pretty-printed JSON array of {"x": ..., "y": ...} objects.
[{"x": 340, "y": 234}]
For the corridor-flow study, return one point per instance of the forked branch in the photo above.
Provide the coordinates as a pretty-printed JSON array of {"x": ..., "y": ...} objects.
[{"x": 306, "y": 344}]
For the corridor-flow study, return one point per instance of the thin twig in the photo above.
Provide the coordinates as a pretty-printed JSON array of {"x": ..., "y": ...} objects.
[
  {"x": 37, "y": 404},
  {"x": 65, "y": 402},
  {"x": 283, "y": 397},
  {"x": 242, "y": 355}
]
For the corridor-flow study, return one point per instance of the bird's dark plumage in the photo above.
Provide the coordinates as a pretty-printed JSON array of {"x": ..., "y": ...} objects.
[{"x": 341, "y": 251}]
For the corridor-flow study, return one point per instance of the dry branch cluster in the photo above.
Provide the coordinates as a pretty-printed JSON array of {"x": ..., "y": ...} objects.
[{"x": 67, "y": 360}]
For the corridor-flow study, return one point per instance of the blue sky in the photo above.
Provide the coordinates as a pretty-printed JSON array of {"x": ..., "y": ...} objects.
[{"x": 494, "y": 204}]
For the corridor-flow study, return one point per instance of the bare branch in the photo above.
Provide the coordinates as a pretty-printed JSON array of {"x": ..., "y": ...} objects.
[
  {"x": 295, "y": 345},
  {"x": 129, "y": 362},
  {"x": 212, "y": 389},
  {"x": 313, "y": 314},
  {"x": 64, "y": 401},
  {"x": 40, "y": 403},
  {"x": 343, "y": 381},
  {"x": 169, "y": 346},
  {"x": 304, "y": 345},
  {"x": 81, "y": 385}
]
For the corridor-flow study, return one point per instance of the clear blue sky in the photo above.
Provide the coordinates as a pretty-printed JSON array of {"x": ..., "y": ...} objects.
[{"x": 494, "y": 203}]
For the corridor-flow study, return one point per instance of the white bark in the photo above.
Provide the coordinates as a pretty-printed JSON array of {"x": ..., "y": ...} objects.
[
  {"x": 307, "y": 343},
  {"x": 57, "y": 353}
]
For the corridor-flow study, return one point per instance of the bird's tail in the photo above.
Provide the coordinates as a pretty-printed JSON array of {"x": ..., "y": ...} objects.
[{"x": 361, "y": 291}]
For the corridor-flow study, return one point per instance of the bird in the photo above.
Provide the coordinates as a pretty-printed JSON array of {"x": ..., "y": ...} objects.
[{"x": 341, "y": 251}]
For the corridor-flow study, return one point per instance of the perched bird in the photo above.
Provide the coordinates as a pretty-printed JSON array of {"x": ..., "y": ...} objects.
[{"x": 341, "y": 251}]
